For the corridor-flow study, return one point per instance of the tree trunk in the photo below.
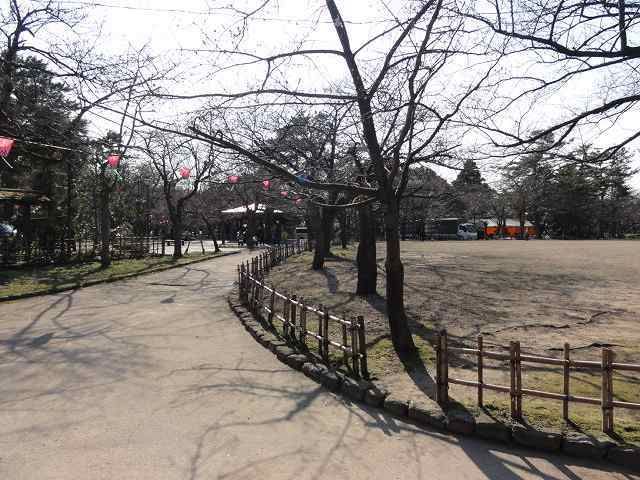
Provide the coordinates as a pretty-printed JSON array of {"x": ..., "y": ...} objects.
[
  {"x": 212, "y": 234},
  {"x": 366, "y": 257},
  {"x": 177, "y": 233},
  {"x": 105, "y": 228},
  {"x": 344, "y": 237},
  {"x": 398, "y": 322},
  {"x": 327, "y": 216},
  {"x": 319, "y": 251}
]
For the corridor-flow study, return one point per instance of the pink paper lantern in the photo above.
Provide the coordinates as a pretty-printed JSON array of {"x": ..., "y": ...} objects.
[
  {"x": 113, "y": 160},
  {"x": 266, "y": 184},
  {"x": 298, "y": 201},
  {"x": 185, "y": 172},
  {"x": 6, "y": 144},
  {"x": 284, "y": 193},
  {"x": 233, "y": 178}
]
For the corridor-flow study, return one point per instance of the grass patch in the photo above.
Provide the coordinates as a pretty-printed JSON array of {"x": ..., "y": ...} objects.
[{"x": 22, "y": 281}]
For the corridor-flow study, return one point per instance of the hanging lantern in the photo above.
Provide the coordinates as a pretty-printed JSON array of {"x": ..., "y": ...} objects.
[
  {"x": 6, "y": 144},
  {"x": 284, "y": 193},
  {"x": 233, "y": 179},
  {"x": 185, "y": 172},
  {"x": 113, "y": 160},
  {"x": 266, "y": 184},
  {"x": 298, "y": 201}
]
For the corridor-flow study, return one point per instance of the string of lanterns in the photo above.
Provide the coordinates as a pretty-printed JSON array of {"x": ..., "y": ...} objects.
[
  {"x": 266, "y": 186},
  {"x": 113, "y": 161}
]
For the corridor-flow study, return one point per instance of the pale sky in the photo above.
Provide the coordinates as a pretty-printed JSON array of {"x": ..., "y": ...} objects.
[{"x": 175, "y": 30}]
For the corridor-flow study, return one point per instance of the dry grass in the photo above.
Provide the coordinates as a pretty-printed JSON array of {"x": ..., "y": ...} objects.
[{"x": 541, "y": 293}]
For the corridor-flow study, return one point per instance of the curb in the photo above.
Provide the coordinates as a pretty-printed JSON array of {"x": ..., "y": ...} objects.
[
  {"x": 426, "y": 412},
  {"x": 91, "y": 283}
]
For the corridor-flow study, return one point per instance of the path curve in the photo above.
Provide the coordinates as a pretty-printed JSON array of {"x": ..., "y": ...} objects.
[{"x": 154, "y": 378}]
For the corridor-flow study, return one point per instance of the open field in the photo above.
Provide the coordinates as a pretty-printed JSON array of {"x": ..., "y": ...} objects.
[{"x": 542, "y": 293}]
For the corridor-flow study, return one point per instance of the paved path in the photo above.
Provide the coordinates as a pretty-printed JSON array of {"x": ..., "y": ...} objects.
[{"x": 154, "y": 378}]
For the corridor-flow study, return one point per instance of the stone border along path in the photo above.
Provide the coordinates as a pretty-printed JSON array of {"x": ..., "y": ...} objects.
[
  {"x": 125, "y": 276},
  {"x": 427, "y": 412},
  {"x": 154, "y": 378}
]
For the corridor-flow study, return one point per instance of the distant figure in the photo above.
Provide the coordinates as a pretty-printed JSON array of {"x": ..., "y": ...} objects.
[{"x": 285, "y": 236}]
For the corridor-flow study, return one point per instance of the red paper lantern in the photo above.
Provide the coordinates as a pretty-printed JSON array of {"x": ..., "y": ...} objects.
[
  {"x": 298, "y": 201},
  {"x": 113, "y": 160},
  {"x": 185, "y": 172},
  {"x": 6, "y": 144},
  {"x": 284, "y": 193},
  {"x": 233, "y": 178},
  {"x": 266, "y": 184}
]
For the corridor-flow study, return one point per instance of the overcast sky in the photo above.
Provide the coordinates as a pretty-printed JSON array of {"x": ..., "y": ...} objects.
[{"x": 176, "y": 30}]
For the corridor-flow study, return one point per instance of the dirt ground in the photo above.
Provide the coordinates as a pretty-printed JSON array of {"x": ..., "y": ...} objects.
[{"x": 541, "y": 293}]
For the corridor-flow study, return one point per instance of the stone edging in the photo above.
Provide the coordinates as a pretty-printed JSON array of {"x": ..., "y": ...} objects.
[
  {"x": 426, "y": 412},
  {"x": 125, "y": 276}
]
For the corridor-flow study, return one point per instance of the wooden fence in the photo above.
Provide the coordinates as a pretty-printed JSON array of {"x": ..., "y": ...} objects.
[
  {"x": 18, "y": 252},
  {"x": 607, "y": 366},
  {"x": 296, "y": 318}
]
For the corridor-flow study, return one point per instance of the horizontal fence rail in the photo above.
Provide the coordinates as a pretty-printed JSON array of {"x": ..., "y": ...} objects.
[
  {"x": 301, "y": 324},
  {"x": 18, "y": 251},
  {"x": 607, "y": 366}
]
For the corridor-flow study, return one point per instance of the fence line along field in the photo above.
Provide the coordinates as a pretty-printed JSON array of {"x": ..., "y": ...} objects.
[{"x": 541, "y": 293}]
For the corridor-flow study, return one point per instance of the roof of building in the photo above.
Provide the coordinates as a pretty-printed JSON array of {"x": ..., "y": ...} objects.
[
  {"x": 251, "y": 207},
  {"x": 14, "y": 195}
]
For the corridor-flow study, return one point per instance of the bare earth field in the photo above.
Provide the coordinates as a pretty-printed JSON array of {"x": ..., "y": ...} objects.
[{"x": 542, "y": 293}]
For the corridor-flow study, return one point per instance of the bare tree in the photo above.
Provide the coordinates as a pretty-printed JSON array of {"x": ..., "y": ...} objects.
[
  {"x": 572, "y": 44},
  {"x": 183, "y": 166},
  {"x": 405, "y": 108}
]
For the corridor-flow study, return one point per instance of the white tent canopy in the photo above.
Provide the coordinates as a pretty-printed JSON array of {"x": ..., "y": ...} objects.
[{"x": 251, "y": 207}]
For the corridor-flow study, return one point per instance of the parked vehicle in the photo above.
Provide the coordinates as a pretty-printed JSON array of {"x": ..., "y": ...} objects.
[
  {"x": 7, "y": 231},
  {"x": 467, "y": 231},
  {"x": 450, "y": 229},
  {"x": 302, "y": 233}
]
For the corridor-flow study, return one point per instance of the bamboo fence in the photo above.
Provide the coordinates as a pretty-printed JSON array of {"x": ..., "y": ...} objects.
[
  {"x": 301, "y": 323},
  {"x": 607, "y": 366}
]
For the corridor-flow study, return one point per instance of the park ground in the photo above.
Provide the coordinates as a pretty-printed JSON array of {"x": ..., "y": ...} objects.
[
  {"x": 541, "y": 293},
  {"x": 155, "y": 378}
]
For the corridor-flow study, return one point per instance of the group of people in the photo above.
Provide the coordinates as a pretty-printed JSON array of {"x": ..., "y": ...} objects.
[{"x": 258, "y": 239}]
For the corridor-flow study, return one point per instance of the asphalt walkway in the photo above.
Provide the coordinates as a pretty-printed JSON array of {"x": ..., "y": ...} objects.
[{"x": 154, "y": 378}]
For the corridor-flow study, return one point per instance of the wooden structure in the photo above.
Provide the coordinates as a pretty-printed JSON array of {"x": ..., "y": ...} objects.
[
  {"x": 607, "y": 366},
  {"x": 300, "y": 323}
]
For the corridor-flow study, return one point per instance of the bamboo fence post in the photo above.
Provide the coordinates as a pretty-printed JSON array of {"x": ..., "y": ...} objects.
[
  {"x": 480, "y": 371},
  {"x": 325, "y": 334},
  {"x": 272, "y": 306},
  {"x": 607, "y": 394},
  {"x": 293, "y": 317},
  {"x": 438, "y": 368},
  {"x": 345, "y": 343},
  {"x": 319, "y": 313},
  {"x": 354, "y": 349},
  {"x": 515, "y": 377},
  {"x": 512, "y": 385},
  {"x": 362, "y": 344},
  {"x": 518, "y": 381},
  {"x": 442, "y": 368},
  {"x": 261, "y": 299},
  {"x": 303, "y": 323},
  {"x": 286, "y": 310},
  {"x": 566, "y": 385}
]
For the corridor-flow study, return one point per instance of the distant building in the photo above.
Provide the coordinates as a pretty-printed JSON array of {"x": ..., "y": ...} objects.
[{"x": 510, "y": 228}]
